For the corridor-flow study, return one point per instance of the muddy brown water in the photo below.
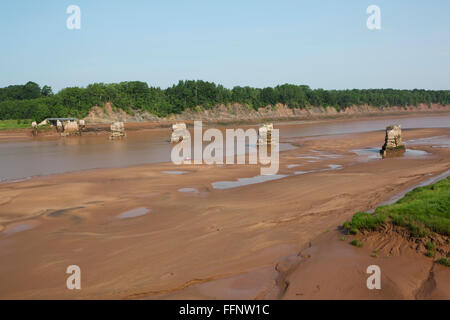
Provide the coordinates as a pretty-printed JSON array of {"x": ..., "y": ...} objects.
[{"x": 24, "y": 159}]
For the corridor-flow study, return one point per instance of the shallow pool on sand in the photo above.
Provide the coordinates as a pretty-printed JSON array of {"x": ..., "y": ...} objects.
[{"x": 138, "y": 212}]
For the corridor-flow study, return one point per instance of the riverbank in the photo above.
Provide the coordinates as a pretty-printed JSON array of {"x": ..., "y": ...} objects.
[
  {"x": 183, "y": 237},
  {"x": 412, "y": 262}
]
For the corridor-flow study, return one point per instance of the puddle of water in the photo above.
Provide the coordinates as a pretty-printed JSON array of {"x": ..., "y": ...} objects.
[
  {"x": 189, "y": 190},
  {"x": 335, "y": 166},
  {"x": 14, "y": 181},
  {"x": 374, "y": 153},
  {"x": 327, "y": 155},
  {"x": 331, "y": 156},
  {"x": 293, "y": 166},
  {"x": 370, "y": 153},
  {"x": 330, "y": 167},
  {"x": 415, "y": 153},
  {"x": 308, "y": 157},
  {"x": 436, "y": 142},
  {"x": 134, "y": 213},
  {"x": 259, "y": 179},
  {"x": 303, "y": 172},
  {"x": 175, "y": 172},
  {"x": 18, "y": 228},
  {"x": 246, "y": 181}
]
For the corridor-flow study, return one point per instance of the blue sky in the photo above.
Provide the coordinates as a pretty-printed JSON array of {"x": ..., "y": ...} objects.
[{"x": 323, "y": 44}]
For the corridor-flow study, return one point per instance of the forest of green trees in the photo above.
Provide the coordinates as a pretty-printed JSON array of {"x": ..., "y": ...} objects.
[{"x": 30, "y": 101}]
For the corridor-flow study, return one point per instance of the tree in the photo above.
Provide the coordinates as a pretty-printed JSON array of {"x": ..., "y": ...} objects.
[{"x": 46, "y": 91}]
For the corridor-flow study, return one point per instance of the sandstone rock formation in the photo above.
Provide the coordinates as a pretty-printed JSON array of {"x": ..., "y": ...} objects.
[
  {"x": 265, "y": 134},
  {"x": 43, "y": 123},
  {"x": 238, "y": 112},
  {"x": 59, "y": 126},
  {"x": 81, "y": 125},
  {"x": 108, "y": 114},
  {"x": 71, "y": 127},
  {"x": 179, "y": 133},
  {"x": 393, "y": 141},
  {"x": 34, "y": 126},
  {"x": 117, "y": 130}
]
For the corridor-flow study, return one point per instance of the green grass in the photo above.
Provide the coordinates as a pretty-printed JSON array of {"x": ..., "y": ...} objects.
[
  {"x": 347, "y": 225},
  {"x": 430, "y": 246},
  {"x": 15, "y": 124},
  {"x": 430, "y": 249},
  {"x": 422, "y": 210},
  {"x": 444, "y": 262},
  {"x": 357, "y": 243},
  {"x": 44, "y": 127}
]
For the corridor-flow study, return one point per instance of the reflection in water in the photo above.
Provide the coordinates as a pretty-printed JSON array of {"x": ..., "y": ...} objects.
[
  {"x": 369, "y": 153},
  {"x": 374, "y": 153}
]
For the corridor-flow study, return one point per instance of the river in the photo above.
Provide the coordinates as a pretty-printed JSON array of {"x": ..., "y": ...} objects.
[{"x": 24, "y": 159}]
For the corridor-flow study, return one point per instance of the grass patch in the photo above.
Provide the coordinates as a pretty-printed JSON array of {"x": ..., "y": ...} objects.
[
  {"x": 421, "y": 211},
  {"x": 430, "y": 246},
  {"x": 367, "y": 221},
  {"x": 15, "y": 124},
  {"x": 430, "y": 254},
  {"x": 348, "y": 226},
  {"x": 44, "y": 127},
  {"x": 430, "y": 249},
  {"x": 444, "y": 262},
  {"x": 357, "y": 243}
]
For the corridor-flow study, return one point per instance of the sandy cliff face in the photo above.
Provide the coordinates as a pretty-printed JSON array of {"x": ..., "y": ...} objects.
[{"x": 238, "y": 112}]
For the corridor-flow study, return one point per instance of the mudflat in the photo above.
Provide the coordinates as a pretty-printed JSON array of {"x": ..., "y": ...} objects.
[{"x": 162, "y": 231}]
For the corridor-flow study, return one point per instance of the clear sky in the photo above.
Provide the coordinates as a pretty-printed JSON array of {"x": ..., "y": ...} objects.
[{"x": 323, "y": 43}]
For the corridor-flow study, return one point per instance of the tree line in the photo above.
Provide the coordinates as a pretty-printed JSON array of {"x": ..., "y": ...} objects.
[{"x": 30, "y": 101}]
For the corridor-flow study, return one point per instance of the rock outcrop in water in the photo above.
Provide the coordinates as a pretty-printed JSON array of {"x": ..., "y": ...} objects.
[
  {"x": 179, "y": 133},
  {"x": 393, "y": 144},
  {"x": 117, "y": 130},
  {"x": 34, "y": 126},
  {"x": 69, "y": 128},
  {"x": 265, "y": 134},
  {"x": 82, "y": 125}
]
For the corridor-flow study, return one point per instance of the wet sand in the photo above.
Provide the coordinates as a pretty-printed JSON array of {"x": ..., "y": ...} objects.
[
  {"x": 331, "y": 268},
  {"x": 214, "y": 243}
]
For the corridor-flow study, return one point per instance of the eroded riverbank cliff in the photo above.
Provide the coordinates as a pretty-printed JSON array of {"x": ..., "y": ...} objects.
[{"x": 238, "y": 112}]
